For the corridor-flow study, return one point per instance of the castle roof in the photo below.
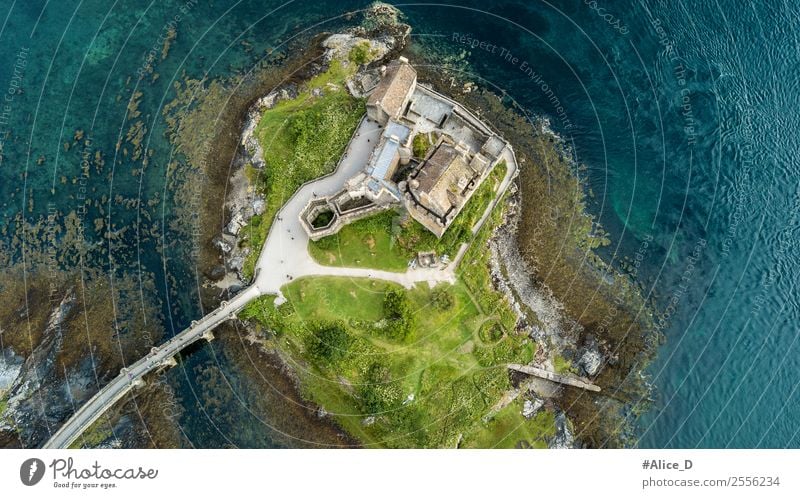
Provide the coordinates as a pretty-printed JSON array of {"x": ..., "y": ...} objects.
[{"x": 396, "y": 83}]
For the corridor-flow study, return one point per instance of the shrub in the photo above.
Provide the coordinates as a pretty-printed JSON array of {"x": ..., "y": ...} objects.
[
  {"x": 360, "y": 53},
  {"x": 398, "y": 314},
  {"x": 379, "y": 393},
  {"x": 442, "y": 298},
  {"x": 328, "y": 342},
  {"x": 420, "y": 145}
]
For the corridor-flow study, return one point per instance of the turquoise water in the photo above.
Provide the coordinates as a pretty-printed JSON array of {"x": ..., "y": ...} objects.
[{"x": 685, "y": 116}]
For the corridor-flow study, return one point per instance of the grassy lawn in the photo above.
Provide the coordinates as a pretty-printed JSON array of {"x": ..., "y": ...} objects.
[
  {"x": 303, "y": 139},
  {"x": 432, "y": 387},
  {"x": 386, "y": 241},
  {"x": 509, "y": 429},
  {"x": 366, "y": 243}
]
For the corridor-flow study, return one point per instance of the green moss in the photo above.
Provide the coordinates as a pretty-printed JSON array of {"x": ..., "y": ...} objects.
[{"x": 360, "y": 53}]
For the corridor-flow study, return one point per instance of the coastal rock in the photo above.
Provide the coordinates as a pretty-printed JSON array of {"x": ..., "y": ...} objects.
[
  {"x": 217, "y": 272},
  {"x": 10, "y": 366},
  {"x": 339, "y": 45},
  {"x": 236, "y": 224},
  {"x": 591, "y": 361},
  {"x": 511, "y": 275},
  {"x": 235, "y": 263},
  {"x": 259, "y": 205},
  {"x": 531, "y": 406},
  {"x": 40, "y": 396},
  {"x": 221, "y": 243},
  {"x": 563, "y": 438}
]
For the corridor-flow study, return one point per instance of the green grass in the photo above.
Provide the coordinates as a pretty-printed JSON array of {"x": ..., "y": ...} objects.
[
  {"x": 455, "y": 380},
  {"x": 303, "y": 139},
  {"x": 366, "y": 243},
  {"x": 421, "y": 145},
  {"x": 3, "y": 406},
  {"x": 509, "y": 429}
]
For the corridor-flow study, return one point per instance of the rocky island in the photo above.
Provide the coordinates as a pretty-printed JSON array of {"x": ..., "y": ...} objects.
[
  {"x": 399, "y": 296},
  {"x": 412, "y": 256}
]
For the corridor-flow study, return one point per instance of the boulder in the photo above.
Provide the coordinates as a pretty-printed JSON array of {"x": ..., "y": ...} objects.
[
  {"x": 259, "y": 205},
  {"x": 531, "y": 406},
  {"x": 563, "y": 438},
  {"x": 591, "y": 361},
  {"x": 235, "y": 263},
  {"x": 222, "y": 244},
  {"x": 217, "y": 272},
  {"x": 236, "y": 224}
]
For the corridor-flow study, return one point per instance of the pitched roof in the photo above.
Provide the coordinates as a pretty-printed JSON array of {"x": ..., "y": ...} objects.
[
  {"x": 393, "y": 88},
  {"x": 435, "y": 167}
]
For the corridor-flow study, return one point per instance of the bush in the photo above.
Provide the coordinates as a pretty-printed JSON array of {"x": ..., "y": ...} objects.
[
  {"x": 420, "y": 145},
  {"x": 360, "y": 54},
  {"x": 328, "y": 342},
  {"x": 398, "y": 314},
  {"x": 379, "y": 393}
]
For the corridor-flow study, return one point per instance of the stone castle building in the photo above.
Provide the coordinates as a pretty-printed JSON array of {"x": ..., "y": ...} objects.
[{"x": 433, "y": 189}]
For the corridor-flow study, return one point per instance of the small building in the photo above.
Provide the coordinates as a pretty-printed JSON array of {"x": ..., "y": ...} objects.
[{"x": 388, "y": 100}]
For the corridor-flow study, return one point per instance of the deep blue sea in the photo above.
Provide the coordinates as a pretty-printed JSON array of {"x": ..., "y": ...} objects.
[{"x": 685, "y": 114}]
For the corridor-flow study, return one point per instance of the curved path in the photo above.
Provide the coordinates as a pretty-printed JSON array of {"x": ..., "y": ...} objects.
[{"x": 283, "y": 258}]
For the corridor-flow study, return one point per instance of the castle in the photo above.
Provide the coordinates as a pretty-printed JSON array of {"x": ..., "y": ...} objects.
[{"x": 460, "y": 152}]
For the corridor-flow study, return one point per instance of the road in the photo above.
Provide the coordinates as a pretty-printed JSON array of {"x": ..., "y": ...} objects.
[{"x": 284, "y": 257}]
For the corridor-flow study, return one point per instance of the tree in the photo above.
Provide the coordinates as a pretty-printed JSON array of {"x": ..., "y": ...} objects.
[{"x": 328, "y": 342}]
